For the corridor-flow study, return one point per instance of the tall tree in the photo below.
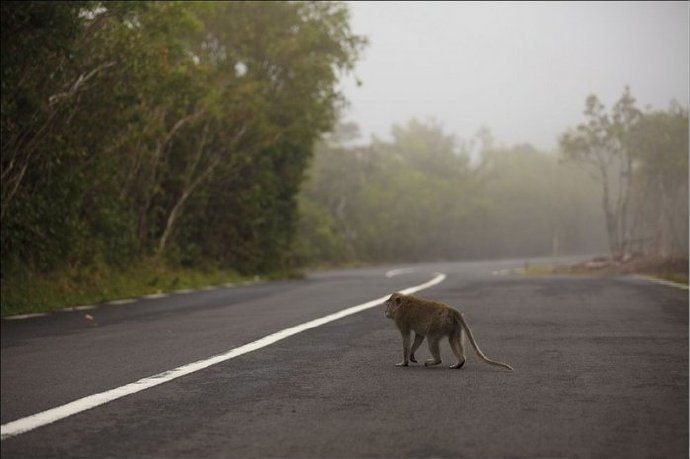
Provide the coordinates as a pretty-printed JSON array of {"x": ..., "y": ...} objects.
[
  {"x": 603, "y": 146},
  {"x": 177, "y": 128},
  {"x": 660, "y": 200}
]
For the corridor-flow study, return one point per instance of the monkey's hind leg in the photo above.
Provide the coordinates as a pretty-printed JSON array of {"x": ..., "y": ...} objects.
[
  {"x": 435, "y": 352},
  {"x": 417, "y": 341},
  {"x": 456, "y": 342}
]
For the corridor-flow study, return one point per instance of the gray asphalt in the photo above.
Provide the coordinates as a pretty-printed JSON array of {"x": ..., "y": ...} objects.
[{"x": 601, "y": 371}]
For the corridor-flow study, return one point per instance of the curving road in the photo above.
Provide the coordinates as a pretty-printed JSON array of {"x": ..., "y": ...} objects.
[{"x": 601, "y": 371}]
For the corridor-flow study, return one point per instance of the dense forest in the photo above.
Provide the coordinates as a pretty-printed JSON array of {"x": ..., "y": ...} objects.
[
  {"x": 179, "y": 130},
  {"x": 426, "y": 196},
  {"x": 208, "y": 134},
  {"x": 617, "y": 187}
]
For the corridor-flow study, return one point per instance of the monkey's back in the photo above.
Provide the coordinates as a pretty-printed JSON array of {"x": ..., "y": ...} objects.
[{"x": 428, "y": 317}]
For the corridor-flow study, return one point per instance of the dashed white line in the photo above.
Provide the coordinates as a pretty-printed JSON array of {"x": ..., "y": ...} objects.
[
  {"x": 155, "y": 296},
  {"x": 25, "y": 316},
  {"x": 85, "y": 307},
  {"x": 152, "y": 296},
  {"x": 396, "y": 272},
  {"x": 118, "y": 302},
  {"x": 28, "y": 423}
]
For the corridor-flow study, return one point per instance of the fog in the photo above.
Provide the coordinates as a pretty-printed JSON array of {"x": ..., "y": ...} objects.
[
  {"x": 474, "y": 141},
  {"x": 162, "y": 137},
  {"x": 522, "y": 69}
]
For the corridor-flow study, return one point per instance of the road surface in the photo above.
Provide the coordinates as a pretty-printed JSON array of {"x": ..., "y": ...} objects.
[{"x": 601, "y": 370}]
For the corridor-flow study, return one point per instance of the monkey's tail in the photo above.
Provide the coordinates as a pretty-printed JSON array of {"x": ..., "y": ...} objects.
[{"x": 479, "y": 352}]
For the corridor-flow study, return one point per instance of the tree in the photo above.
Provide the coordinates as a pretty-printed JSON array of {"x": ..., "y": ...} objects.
[
  {"x": 660, "y": 145},
  {"x": 603, "y": 146},
  {"x": 273, "y": 69},
  {"x": 417, "y": 198},
  {"x": 179, "y": 129}
]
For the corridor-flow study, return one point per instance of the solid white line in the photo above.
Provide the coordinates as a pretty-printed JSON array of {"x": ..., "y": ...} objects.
[
  {"x": 55, "y": 414},
  {"x": 663, "y": 282}
]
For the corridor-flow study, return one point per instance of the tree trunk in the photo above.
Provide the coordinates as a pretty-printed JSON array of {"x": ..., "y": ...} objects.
[
  {"x": 611, "y": 217},
  {"x": 172, "y": 218}
]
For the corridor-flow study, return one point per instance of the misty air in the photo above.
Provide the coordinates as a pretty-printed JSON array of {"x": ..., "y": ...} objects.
[{"x": 301, "y": 229}]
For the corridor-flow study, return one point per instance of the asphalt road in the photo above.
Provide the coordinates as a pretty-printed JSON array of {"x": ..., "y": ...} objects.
[{"x": 601, "y": 371}]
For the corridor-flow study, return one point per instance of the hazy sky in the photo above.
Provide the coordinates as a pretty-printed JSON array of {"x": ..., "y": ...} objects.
[{"x": 521, "y": 69}]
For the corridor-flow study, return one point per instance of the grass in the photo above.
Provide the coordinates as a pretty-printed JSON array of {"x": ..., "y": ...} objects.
[
  {"x": 678, "y": 278},
  {"x": 25, "y": 292},
  {"x": 537, "y": 269},
  {"x": 674, "y": 270}
]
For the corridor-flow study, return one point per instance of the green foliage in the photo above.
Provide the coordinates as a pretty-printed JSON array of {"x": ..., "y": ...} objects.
[
  {"x": 178, "y": 130},
  {"x": 420, "y": 198},
  {"x": 98, "y": 283},
  {"x": 641, "y": 163},
  {"x": 537, "y": 206},
  {"x": 660, "y": 196}
]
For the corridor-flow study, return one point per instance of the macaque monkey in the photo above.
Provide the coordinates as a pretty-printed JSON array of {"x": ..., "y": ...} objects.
[{"x": 431, "y": 320}]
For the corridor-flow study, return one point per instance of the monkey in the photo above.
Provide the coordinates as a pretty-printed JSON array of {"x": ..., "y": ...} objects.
[{"x": 431, "y": 320}]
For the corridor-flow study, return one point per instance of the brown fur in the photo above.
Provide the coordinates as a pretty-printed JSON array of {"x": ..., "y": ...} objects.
[{"x": 432, "y": 320}]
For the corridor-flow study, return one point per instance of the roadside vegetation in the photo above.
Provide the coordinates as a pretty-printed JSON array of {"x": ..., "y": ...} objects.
[
  {"x": 427, "y": 196},
  {"x": 669, "y": 269},
  {"x": 618, "y": 186},
  {"x": 169, "y": 135},
  {"x": 31, "y": 292},
  {"x": 157, "y": 146}
]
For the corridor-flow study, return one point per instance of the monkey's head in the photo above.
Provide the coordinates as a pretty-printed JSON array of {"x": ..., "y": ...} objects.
[{"x": 393, "y": 304}]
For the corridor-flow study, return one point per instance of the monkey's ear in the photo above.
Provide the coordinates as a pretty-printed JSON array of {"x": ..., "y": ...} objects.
[{"x": 398, "y": 300}]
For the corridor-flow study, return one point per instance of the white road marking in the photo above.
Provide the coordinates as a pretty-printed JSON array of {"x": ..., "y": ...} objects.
[
  {"x": 152, "y": 296},
  {"x": 125, "y": 301},
  {"x": 395, "y": 272},
  {"x": 34, "y": 421},
  {"x": 663, "y": 282},
  {"x": 85, "y": 307},
  {"x": 24, "y": 316},
  {"x": 155, "y": 296}
]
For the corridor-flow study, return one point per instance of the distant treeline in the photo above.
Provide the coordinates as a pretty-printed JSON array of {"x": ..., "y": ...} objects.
[
  {"x": 175, "y": 130},
  {"x": 421, "y": 197},
  {"x": 618, "y": 187}
]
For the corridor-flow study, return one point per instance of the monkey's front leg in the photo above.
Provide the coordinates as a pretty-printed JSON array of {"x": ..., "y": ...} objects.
[
  {"x": 417, "y": 341},
  {"x": 406, "y": 349}
]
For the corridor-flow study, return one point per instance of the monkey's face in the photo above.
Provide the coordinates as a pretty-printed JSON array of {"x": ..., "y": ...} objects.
[{"x": 392, "y": 305}]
